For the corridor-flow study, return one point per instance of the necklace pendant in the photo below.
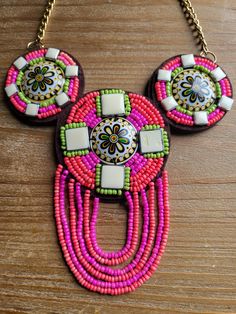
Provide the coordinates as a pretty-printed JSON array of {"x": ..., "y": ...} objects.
[
  {"x": 42, "y": 82},
  {"x": 192, "y": 92},
  {"x": 112, "y": 146}
]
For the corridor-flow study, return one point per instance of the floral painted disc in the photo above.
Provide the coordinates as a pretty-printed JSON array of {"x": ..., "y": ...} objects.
[
  {"x": 114, "y": 140},
  {"x": 42, "y": 82},
  {"x": 192, "y": 92}
]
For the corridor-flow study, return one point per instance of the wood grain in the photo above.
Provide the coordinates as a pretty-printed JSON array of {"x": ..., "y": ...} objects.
[{"x": 119, "y": 43}]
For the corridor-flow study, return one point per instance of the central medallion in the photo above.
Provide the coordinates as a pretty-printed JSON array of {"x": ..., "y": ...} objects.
[
  {"x": 42, "y": 81},
  {"x": 194, "y": 90},
  {"x": 114, "y": 140}
]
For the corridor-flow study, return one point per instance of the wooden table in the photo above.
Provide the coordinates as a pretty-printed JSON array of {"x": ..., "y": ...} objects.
[{"x": 119, "y": 43}]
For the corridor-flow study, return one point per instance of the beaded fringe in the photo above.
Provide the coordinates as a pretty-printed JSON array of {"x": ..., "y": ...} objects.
[{"x": 92, "y": 266}]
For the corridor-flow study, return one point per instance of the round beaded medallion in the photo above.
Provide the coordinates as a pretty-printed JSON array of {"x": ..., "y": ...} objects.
[
  {"x": 114, "y": 140},
  {"x": 192, "y": 92},
  {"x": 111, "y": 145},
  {"x": 42, "y": 82}
]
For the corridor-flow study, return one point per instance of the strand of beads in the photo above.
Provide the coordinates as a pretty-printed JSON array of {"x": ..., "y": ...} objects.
[{"x": 67, "y": 237}]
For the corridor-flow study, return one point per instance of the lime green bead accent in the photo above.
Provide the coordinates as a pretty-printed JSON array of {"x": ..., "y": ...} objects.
[
  {"x": 47, "y": 102},
  {"x": 74, "y": 153},
  {"x": 127, "y": 105},
  {"x": 202, "y": 69},
  {"x": 66, "y": 85},
  {"x": 23, "y": 98},
  {"x": 218, "y": 90},
  {"x": 98, "y": 175},
  {"x": 150, "y": 127},
  {"x": 180, "y": 109},
  {"x": 111, "y": 91},
  {"x": 211, "y": 109},
  {"x": 176, "y": 71},
  {"x": 19, "y": 78},
  {"x": 127, "y": 179},
  {"x": 168, "y": 89},
  {"x": 109, "y": 191},
  {"x": 61, "y": 64},
  {"x": 98, "y": 106}
]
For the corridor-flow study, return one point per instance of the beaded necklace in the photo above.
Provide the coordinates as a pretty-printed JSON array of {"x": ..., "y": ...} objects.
[{"x": 113, "y": 145}]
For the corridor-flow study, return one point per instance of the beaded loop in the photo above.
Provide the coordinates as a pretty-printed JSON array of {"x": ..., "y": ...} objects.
[{"x": 92, "y": 173}]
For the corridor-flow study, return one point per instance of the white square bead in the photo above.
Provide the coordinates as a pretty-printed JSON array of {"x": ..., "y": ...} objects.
[
  {"x": 62, "y": 99},
  {"x": 164, "y": 75},
  {"x": 32, "y": 109},
  {"x": 112, "y": 177},
  {"x": 11, "y": 90},
  {"x": 225, "y": 103},
  {"x": 77, "y": 138},
  {"x": 218, "y": 74},
  {"x": 20, "y": 63},
  {"x": 151, "y": 141},
  {"x": 169, "y": 103},
  {"x": 52, "y": 53},
  {"x": 72, "y": 70},
  {"x": 188, "y": 60},
  {"x": 112, "y": 104},
  {"x": 200, "y": 118}
]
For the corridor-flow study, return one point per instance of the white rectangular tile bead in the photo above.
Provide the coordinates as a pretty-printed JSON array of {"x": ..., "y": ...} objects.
[
  {"x": 32, "y": 110},
  {"x": 164, "y": 75},
  {"x": 20, "y": 63},
  {"x": 218, "y": 74},
  {"x": 151, "y": 141},
  {"x": 225, "y": 103},
  {"x": 52, "y": 53},
  {"x": 112, "y": 104},
  {"x": 72, "y": 70},
  {"x": 62, "y": 99},
  {"x": 77, "y": 138},
  {"x": 169, "y": 103},
  {"x": 188, "y": 60},
  {"x": 200, "y": 118},
  {"x": 112, "y": 177},
  {"x": 11, "y": 90}
]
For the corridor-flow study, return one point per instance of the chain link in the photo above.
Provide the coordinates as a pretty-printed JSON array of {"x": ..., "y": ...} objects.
[
  {"x": 38, "y": 42},
  {"x": 193, "y": 22}
]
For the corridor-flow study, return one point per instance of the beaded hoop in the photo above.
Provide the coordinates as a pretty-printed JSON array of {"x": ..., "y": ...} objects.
[
  {"x": 192, "y": 92},
  {"x": 42, "y": 82},
  {"x": 118, "y": 119}
]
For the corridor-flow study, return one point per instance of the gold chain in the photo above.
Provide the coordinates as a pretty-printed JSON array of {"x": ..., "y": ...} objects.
[
  {"x": 196, "y": 28},
  {"x": 38, "y": 42}
]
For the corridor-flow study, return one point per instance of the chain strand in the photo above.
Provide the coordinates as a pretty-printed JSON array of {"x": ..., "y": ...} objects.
[
  {"x": 193, "y": 22},
  {"x": 38, "y": 42}
]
